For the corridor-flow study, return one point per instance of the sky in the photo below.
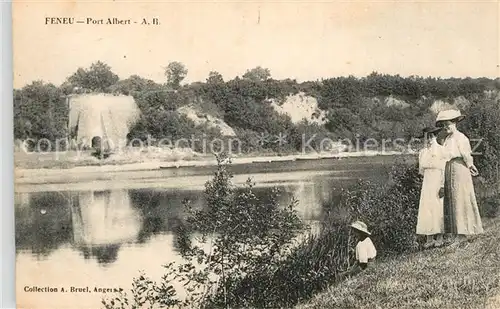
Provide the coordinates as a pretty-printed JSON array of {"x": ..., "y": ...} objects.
[{"x": 294, "y": 39}]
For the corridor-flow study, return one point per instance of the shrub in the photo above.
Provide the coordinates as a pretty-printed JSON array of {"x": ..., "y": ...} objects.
[
  {"x": 245, "y": 235},
  {"x": 327, "y": 256},
  {"x": 482, "y": 124},
  {"x": 389, "y": 211},
  {"x": 489, "y": 207},
  {"x": 310, "y": 267}
]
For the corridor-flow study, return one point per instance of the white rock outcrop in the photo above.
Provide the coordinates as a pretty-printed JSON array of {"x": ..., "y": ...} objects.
[
  {"x": 300, "y": 107},
  {"x": 200, "y": 118}
]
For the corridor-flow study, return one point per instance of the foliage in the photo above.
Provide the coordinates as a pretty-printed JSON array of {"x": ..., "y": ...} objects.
[
  {"x": 160, "y": 99},
  {"x": 391, "y": 212},
  {"x": 482, "y": 125},
  {"x": 40, "y": 112},
  {"x": 245, "y": 235},
  {"x": 257, "y": 74},
  {"x": 97, "y": 78},
  {"x": 252, "y": 261},
  {"x": 356, "y": 108},
  {"x": 135, "y": 85},
  {"x": 215, "y": 78},
  {"x": 310, "y": 267},
  {"x": 175, "y": 73},
  {"x": 489, "y": 206},
  {"x": 171, "y": 129},
  {"x": 327, "y": 256},
  {"x": 306, "y": 136}
]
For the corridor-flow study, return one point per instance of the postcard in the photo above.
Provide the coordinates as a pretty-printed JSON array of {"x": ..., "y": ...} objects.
[{"x": 246, "y": 154}]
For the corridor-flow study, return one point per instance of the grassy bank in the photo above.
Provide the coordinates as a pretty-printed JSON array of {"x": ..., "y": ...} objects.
[
  {"x": 390, "y": 211},
  {"x": 458, "y": 277}
]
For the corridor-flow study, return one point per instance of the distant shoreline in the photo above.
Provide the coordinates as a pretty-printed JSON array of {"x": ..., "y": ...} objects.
[
  {"x": 84, "y": 164},
  {"x": 148, "y": 173}
]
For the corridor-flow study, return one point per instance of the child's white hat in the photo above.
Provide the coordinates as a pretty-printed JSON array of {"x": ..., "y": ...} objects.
[{"x": 360, "y": 226}]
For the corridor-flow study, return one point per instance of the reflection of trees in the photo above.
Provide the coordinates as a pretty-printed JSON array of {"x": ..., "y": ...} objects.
[
  {"x": 309, "y": 195},
  {"x": 98, "y": 222},
  {"x": 162, "y": 211},
  {"x": 104, "y": 254},
  {"x": 42, "y": 233}
]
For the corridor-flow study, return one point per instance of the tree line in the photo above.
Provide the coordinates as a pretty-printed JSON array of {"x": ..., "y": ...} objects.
[{"x": 354, "y": 107}]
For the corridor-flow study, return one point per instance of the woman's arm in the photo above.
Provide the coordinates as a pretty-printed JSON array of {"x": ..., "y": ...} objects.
[
  {"x": 466, "y": 153},
  {"x": 465, "y": 150}
]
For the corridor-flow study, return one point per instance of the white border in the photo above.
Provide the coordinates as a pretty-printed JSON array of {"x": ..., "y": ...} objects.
[{"x": 7, "y": 286}]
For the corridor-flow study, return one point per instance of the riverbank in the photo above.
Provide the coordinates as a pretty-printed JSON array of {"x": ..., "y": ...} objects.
[
  {"x": 130, "y": 160},
  {"x": 465, "y": 276},
  {"x": 264, "y": 172},
  {"x": 157, "y": 169}
]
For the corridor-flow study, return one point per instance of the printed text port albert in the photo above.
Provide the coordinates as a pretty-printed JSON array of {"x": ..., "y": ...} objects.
[{"x": 99, "y": 21}]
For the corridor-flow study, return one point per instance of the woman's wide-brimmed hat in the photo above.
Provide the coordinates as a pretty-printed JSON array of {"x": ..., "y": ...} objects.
[
  {"x": 430, "y": 130},
  {"x": 450, "y": 114},
  {"x": 360, "y": 226}
]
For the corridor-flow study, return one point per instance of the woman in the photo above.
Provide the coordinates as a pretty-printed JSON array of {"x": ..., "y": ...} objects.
[
  {"x": 461, "y": 213},
  {"x": 431, "y": 164}
]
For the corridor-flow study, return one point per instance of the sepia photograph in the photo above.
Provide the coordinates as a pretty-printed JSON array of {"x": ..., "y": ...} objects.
[{"x": 245, "y": 154}]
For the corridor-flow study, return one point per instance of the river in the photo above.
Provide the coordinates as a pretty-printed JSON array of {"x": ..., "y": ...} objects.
[{"x": 103, "y": 237}]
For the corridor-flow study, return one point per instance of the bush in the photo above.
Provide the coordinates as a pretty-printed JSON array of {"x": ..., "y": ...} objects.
[
  {"x": 310, "y": 267},
  {"x": 489, "y": 207},
  {"x": 482, "y": 124},
  {"x": 354, "y": 106},
  {"x": 327, "y": 256},
  {"x": 321, "y": 259},
  {"x": 390, "y": 212},
  {"x": 246, "y": 235}
]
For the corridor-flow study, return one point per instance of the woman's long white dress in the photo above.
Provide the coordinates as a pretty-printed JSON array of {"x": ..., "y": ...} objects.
[
  {"x": 461, "y": 212},
  {"x": 432, "y": 161}
]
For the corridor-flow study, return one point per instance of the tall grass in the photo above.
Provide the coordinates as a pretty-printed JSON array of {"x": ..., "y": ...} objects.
[{"x": 328, "y": 255}]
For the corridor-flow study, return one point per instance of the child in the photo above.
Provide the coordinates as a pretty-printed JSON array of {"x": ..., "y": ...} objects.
[
  {"x": 365, "y": 250},
  {"x": 432, "y": 161}
]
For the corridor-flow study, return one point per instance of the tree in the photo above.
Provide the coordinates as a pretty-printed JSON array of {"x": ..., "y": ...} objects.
[
  {"x": 257, "y": 74},
  {"x": 175, "y": 72},
  {"x": 215, "y": 78},
  {"x": 134, "y": 85},
  {"x": 40, "y": 111},
  {"x": 246, "y": 234},
  {"x": 99, "y": 77}
]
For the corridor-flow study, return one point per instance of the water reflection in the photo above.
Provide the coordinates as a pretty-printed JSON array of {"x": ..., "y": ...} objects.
[
  {"x": 104, "y": 238},
  {"x": 102, "y": 221},
  {"x": 39, "y": 233},
  {"x": 97, "y": 225},
  {"x": 161, "y": 210}
]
